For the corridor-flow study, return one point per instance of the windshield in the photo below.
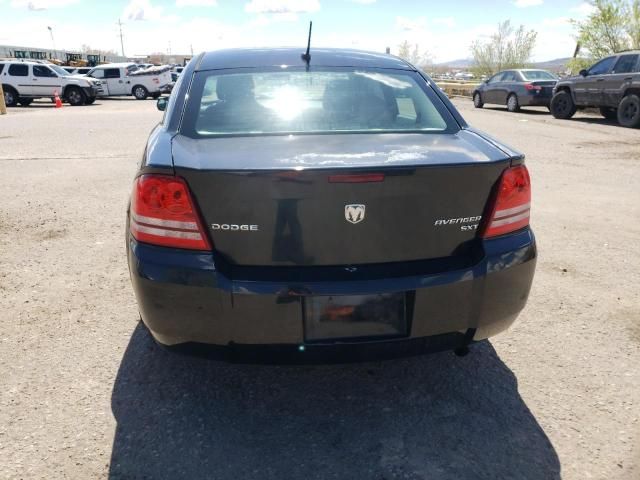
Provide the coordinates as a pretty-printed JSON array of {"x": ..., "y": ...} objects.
[
  {"x": 538, "y": 75},
  {"x": 337, "y": 100},
  {"x": 60, "y": 71}
]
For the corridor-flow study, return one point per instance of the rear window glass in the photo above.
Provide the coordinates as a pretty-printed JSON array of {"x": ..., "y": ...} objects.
[
  {"x": 1, "y": 67},
  {"x": 112, "y": 73},
  {"x": 18, "y": 70},
  {"x": 537, "y": 75},
  {"x": 626, "y": 64},
  {"x": 311, "y": 102}
]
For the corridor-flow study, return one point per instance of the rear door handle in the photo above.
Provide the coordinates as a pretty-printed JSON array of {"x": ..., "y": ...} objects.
[
  {"x": 600, "y": 80},
  {"x": 628, "y": 79},
  {"x": 119, "y": 81}
]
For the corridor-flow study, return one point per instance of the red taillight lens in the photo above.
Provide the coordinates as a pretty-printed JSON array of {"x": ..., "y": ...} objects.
[
  {"x": 512, "y": 203},
  {"x": 163, "y": 213},
  {"x": 528, "y": 86}
]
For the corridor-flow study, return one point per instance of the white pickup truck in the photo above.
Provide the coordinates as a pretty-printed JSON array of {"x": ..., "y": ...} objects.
[{"x": 117, "y": 79}]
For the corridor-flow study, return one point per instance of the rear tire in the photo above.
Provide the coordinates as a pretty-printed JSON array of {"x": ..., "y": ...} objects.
[
  {"x": 609, "y": 113},
  {"x": 75, "y": 96},
  {"x": 25, "y": 102},
  {"x": 477, "y": 100},
  {"x": 512, "y": 103},
  {"x": 10, "y": 97},
  {"x": 562, "y": 105},
  {"x": 140, "y": 92},
  {"x": 629, "y": 111}
]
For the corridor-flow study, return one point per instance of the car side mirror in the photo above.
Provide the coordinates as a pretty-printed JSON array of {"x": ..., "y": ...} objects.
[
  {"x": 162, "y": 103},
  {"x": 583, "y": 72}
]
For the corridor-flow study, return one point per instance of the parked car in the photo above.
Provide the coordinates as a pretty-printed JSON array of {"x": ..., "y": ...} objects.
[
  {"x": 118, "y": 79},
  {"x": 345, "y": 208},
  {"x": 612, "y": 85},
  {"x": 177, "y": 70},
  {"x": 24, "y": 81},
  {"x": 516, "y": 88}
]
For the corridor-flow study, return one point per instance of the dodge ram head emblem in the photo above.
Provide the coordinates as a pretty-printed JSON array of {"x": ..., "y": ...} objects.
[{"x": 354, "y": 213}]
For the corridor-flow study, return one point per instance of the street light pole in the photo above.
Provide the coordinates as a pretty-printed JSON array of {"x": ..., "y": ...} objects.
[{"x": 55, "y": 54}]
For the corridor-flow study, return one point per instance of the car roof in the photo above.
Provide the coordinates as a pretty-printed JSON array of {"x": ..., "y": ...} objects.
[
  {"x": 28, "y": 62},
  {"x": 270, "y": 57}
]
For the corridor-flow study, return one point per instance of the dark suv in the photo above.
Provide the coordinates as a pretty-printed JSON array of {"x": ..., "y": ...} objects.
[{"x": 612, "y": 84}]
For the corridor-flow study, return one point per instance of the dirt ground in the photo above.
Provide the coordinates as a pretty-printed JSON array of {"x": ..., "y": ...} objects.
[{"x": 85, "y": 393}]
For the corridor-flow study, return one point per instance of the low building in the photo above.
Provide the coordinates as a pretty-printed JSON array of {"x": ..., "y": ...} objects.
[{"x": 64, "y": 56}]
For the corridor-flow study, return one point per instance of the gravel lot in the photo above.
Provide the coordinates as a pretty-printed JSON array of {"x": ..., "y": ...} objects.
[{"x": 86, "y": 394}]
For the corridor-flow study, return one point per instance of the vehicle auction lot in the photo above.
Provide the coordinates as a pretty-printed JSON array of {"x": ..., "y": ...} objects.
[{"x": 85, "y": 393}]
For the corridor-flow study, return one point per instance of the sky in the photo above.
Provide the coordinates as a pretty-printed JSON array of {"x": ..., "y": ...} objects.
[{"x": 444, "y": 29}]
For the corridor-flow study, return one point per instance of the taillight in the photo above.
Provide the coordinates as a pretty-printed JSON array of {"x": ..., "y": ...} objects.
[
  {"x": 529, "y": 86},
  {"x": 511, "y": 205},
  {"x": 163, "y": 213}
]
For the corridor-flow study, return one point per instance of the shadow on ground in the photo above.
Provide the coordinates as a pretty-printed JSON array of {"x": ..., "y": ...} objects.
[
  {"x": 525, "y": 110},
  {"x": 430, "y": 417}
]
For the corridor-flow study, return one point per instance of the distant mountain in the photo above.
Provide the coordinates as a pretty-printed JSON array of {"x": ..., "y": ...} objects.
[
  {"x": 556, "y": 64},
  {"x": 464, "y": 63},
  {"x": 460, "y": 63}
]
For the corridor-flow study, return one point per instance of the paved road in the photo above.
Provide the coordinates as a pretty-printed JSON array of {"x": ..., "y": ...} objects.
[{"x": 85, "y": 393}]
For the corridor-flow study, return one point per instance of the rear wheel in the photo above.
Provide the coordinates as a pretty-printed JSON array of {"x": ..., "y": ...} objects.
[
  {"x": 562, "y": 105},
  {"x": 25, "y": 102},
  {"x": 10, "y": 97},
  {"x": 629, "y": 111},
  {"x": 75, "y": 96},
  {"x": 477, "y": 100},
  {"x": 140, "y": 92},
  {"x": 609, "y": 113},
  {"x": 512, "y": 103}
]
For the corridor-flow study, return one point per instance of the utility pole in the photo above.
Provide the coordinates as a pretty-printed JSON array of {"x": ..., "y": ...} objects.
[
  {"x": 121, "y": 41},
  {"x": 53, "y": 41}
]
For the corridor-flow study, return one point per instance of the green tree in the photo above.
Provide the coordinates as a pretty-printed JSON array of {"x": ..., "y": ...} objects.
[
  {"x": 633, "y": 24},
  {"x": 412, "y": 54},
  {"x": 506, "y": 48},
  {"x": 613, "y": 26}
]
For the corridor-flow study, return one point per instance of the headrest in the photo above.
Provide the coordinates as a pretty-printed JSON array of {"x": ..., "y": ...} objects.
[{"x": 230, "y": 87}]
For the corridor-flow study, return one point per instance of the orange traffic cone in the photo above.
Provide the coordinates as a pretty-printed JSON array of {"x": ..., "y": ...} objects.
[{"x": 57, "y": 99}]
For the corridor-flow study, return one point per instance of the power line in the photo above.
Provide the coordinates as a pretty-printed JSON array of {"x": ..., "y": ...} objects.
[{"x": 121, "y": 41}]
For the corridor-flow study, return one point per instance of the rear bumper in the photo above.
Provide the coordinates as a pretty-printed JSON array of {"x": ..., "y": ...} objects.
[
  {"x": 183, "y": 299},
  {"x": 534, "y": 100}
]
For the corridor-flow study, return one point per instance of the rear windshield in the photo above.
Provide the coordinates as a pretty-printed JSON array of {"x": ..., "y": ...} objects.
[
  {"x": 538, "y": 75},
  {"x": 318, "y": 101}
]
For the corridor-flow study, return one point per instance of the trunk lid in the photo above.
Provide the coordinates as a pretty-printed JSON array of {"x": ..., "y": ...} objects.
[
  {"x": 290, "y": 200},
  {"x": 547, "y": 86}
]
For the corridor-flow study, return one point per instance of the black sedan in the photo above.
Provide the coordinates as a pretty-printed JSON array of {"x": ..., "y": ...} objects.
[
  {"x": 516, "y": 88},
  {"x": 324, "y": 207}
]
